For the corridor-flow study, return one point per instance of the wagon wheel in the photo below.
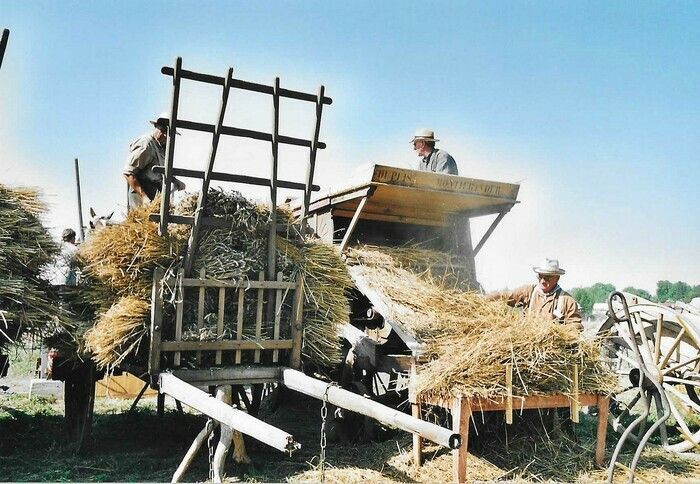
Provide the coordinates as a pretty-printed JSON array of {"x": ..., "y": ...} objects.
[{"x": 670, "y": 348}]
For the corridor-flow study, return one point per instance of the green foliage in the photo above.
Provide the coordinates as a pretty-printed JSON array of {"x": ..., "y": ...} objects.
[
  {"x": 676, "y": 291},
  {"x": 588, "y": 296},
  {"x": 639, "y": 292}
]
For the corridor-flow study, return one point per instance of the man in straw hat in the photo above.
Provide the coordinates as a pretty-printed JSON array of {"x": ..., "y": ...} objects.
[
  {"x": 432, "y": 159},
  {"x": 145, "y": 153},
  {"x": 546, "y": 297}
]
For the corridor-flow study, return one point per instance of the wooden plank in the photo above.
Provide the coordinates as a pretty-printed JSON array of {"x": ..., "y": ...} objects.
[
  {"x": 311, "y": 167},
  {"x": 178, "y": 326},
  {"x": 206, "y": 181},
  {"x": 509, "y": 393},
  {"x": 170, "y": 149},
  {"x": 297, "y": 329},
  {"x": 259, "y": 284},
  {"x": 353, "y": 222},
  {"x": 278, "y": 319},
  {"x": 156, "y": 322},
  {"x": 488, "y": 232},
  {"x": 234, "y": 178},
  {"x": 200, "y": 310},
  {"x": 245, "y": 85},
  {"x": 215, "y": 222},
  {"x": 259, "y": 316},
  {"x": 575, "y": 406},
  {"x": 298, "y": 381},
  {"x": 225, "y": 414},
  {"x": 461, "y": 414},
  {"x": 384, "y": 217},
  {"x": 239, "y": 321},
  {"x": 417, "y": 439},
  {"x": 220, "y": 321},
  {"x": 603, "y": 410},
  {"x": 529, "y": 402},
  {"x": 227, "y": 345},
  {"x": 229, "y": 374},
  {"x": 272, "y": 235}
]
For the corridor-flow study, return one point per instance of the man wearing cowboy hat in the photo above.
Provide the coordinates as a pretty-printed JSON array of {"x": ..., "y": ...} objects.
[
  {"x": 546, "y": 297},
  {"x": 432, "y": 159},
  {"x": 145, "y": 153}
]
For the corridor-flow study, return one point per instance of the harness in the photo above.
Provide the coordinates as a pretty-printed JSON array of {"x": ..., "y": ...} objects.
[{"x": 558, "y": 302}]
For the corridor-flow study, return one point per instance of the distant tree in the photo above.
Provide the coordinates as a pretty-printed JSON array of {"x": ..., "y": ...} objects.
[
  {"x": 674, "y": 291},
  {"x": 588, "y": 296},
  {"x": 639, "y": 292}
]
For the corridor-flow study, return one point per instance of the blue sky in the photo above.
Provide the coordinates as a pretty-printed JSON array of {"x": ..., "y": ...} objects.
[{"x": 592, "y": 106}]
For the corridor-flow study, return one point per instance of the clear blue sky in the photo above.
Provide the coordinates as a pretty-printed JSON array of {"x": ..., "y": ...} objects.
[{"x": 593, "y": 106}]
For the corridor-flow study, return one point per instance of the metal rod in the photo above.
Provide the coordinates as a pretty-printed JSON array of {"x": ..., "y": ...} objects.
[
  {"x": 245, "y": 85},
  {"x": 80, "y": 201}
]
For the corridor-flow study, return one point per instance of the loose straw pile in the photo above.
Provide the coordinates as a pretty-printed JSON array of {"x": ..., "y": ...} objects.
[{"x": 469, "y": 340}]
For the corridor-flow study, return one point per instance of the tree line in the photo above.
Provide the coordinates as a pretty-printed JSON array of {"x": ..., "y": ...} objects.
[{"x": 665, "y": 291}]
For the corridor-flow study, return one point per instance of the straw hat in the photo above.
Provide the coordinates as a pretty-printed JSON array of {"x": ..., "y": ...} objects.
[
  {"x": 425, "y": 135},
  {"x": 550, "y": 267}
]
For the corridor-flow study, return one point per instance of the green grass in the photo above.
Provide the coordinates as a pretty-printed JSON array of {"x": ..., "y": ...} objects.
[{"x": 23, "y": 361}]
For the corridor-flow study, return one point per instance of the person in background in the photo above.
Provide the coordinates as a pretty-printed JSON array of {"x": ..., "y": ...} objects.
[
  {"x": 64, "y": 271},
  {"x": 145, "y": 153},
  {"x": 432, "y": 159},
  {"x": 546, "y": 297}
]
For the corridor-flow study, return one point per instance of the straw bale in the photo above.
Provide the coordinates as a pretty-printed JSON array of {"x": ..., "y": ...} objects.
[
  {"x": 118, "y": 332},
  {"x": 469, "y": 339},
  {"x": 27, "y": 302}
]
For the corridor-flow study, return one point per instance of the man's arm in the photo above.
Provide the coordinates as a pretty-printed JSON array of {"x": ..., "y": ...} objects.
[
  {"x": 139, "y": 158},
  {"x": 571, "y": 313},
  {"x": 517, "y": 297}
]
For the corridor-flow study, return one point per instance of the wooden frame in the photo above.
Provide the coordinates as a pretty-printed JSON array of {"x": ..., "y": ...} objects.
[{"x": 462, "y": 410}]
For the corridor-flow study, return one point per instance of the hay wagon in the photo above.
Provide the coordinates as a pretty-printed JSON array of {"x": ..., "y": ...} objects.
[
  {"x": 259, "y": 323},
  {"x": 393, "y": 207}
]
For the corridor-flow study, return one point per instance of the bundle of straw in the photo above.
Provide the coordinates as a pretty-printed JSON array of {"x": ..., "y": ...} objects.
[
  {"x": 118, "y": 332},
  {"x": 27, "y": 302},
  {"x": 469, "y": 340}
]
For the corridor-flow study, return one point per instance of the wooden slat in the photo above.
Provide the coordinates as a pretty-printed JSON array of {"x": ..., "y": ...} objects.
[
  {"x": 259, "y": 316},
  {"x": 603, "y": 410},
  {"x": 230, "y": 374},
  {"x": 259, "y": 284},
  {"x": 215, "y": 222},
  {"x": 226, "y": 345},
  {"x": 239, "y": 321},
  {"x": 575, "y": 405},
  {"x": 311, "y": 167},
  {"x": 200, "y": 310},
  {"x": 178, "y": 325},
  {"x": 509, "y": 393},
  {"x": 233, "y": 178},
  {"x": 272, "y": 235},
  {"x": 220, "y": 320},
  {"x": 156, "y": 323},
  {"x": 278, "y": 319},
  {"x": 245, "y": 85},
  {"x": 170, "y": 148},
  {"x": 534, "y": 401},
  {"x": 297, "y": 329},
  {"x": 193, "y": 241}
]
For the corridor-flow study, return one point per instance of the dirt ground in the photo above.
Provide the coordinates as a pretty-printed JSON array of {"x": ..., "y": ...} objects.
[{"x": 141, "y": 447}]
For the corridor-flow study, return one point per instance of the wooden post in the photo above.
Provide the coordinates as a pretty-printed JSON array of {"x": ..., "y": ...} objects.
[
  {"x": 80, "y": 201},
  {"x": 509, "y": 393},
  {"x": 239, "y": 321},
  {"x": 272, "y": 238},
  {"x": 178, "y": 325},
  {"x": 278, "y": 319},
  {"x": 603, "y": 409},
  {"x": 156, "y": 324},
  {"x": 259, "y": 315},
  {"x": 461, "y": 413},
  {"x": 200, "y": 310},
  {"x": 416, "y": 408},
  {"x": 353, "y": 222},
  {"x": 312, "y": 159},
  {"x": 223, "y": 394},
  {"x": 575, "y": 406},
  {"x": 170, "y": 149},
  {"x": 297, "y": 324},
  {"x": 220, "y": 320},
  {"x": 192, "y": 451}
]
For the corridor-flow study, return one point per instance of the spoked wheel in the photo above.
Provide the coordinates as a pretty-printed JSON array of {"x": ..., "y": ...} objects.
[{"x": 669, "y": 344}]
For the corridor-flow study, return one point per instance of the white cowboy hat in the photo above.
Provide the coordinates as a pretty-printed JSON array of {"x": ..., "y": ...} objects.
[
  {"x": 550, "y": 267},
  {"x": 425, "y": 135}
]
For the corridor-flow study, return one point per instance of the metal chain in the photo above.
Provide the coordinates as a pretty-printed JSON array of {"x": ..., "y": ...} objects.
[
  {"x": 324, "y": 415},
  {"x": 210, "y": 445}
]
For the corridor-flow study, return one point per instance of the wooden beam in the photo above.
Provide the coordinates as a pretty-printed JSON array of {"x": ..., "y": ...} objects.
[
  {"x": 220, "y": 322},
  {"x": 3, "y": 44},
  {"x": 488, "y": 232},
  {"x": 239, "y": 321},
  {"x": 259, "y": 315},
  {"x": 232, "y": 178},
  {"x": 206, "y": 181},
  {"x": 353, "y": 222},
  {"x": 179, "y": 310},
  {"x": 603, "y": 410},
  {"x": 225, "y": 414},
  {"x": 521, "y": 403},
  {"x": 297, "y": 330},
  {"x": 233, "y": 284},
  {"x": 226, "y": 345},
  {"x": 298, "y": 381},
  {"x": 170, "y": 149},
  {"x": 230, "y": 374},
  {"x": 245, "y": 85},
  {"x": 278, "y": 319},
  {"x": 200, "y": 310},
  {"x": 388, "y": 217},
  {"x": 156, "y": 323},
  {"x": 272, "y": 235},
  {"x": 461, "y": 414},
  {"x": 311, "y": 167}
]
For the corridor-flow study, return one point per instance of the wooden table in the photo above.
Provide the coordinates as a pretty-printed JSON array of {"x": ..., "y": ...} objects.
[{"x": 462, "y": 409}]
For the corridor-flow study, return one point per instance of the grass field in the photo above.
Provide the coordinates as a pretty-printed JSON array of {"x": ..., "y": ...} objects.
[{"x": 141, "y": 447}]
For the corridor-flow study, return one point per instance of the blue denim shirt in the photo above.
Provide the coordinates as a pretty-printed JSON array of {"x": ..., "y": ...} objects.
[{"x": 439, "y": 161}]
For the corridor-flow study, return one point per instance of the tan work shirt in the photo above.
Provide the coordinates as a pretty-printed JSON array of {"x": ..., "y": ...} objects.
[
  {"x": 558, "y": 303},
  {"x": 145, "y": 153}
]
